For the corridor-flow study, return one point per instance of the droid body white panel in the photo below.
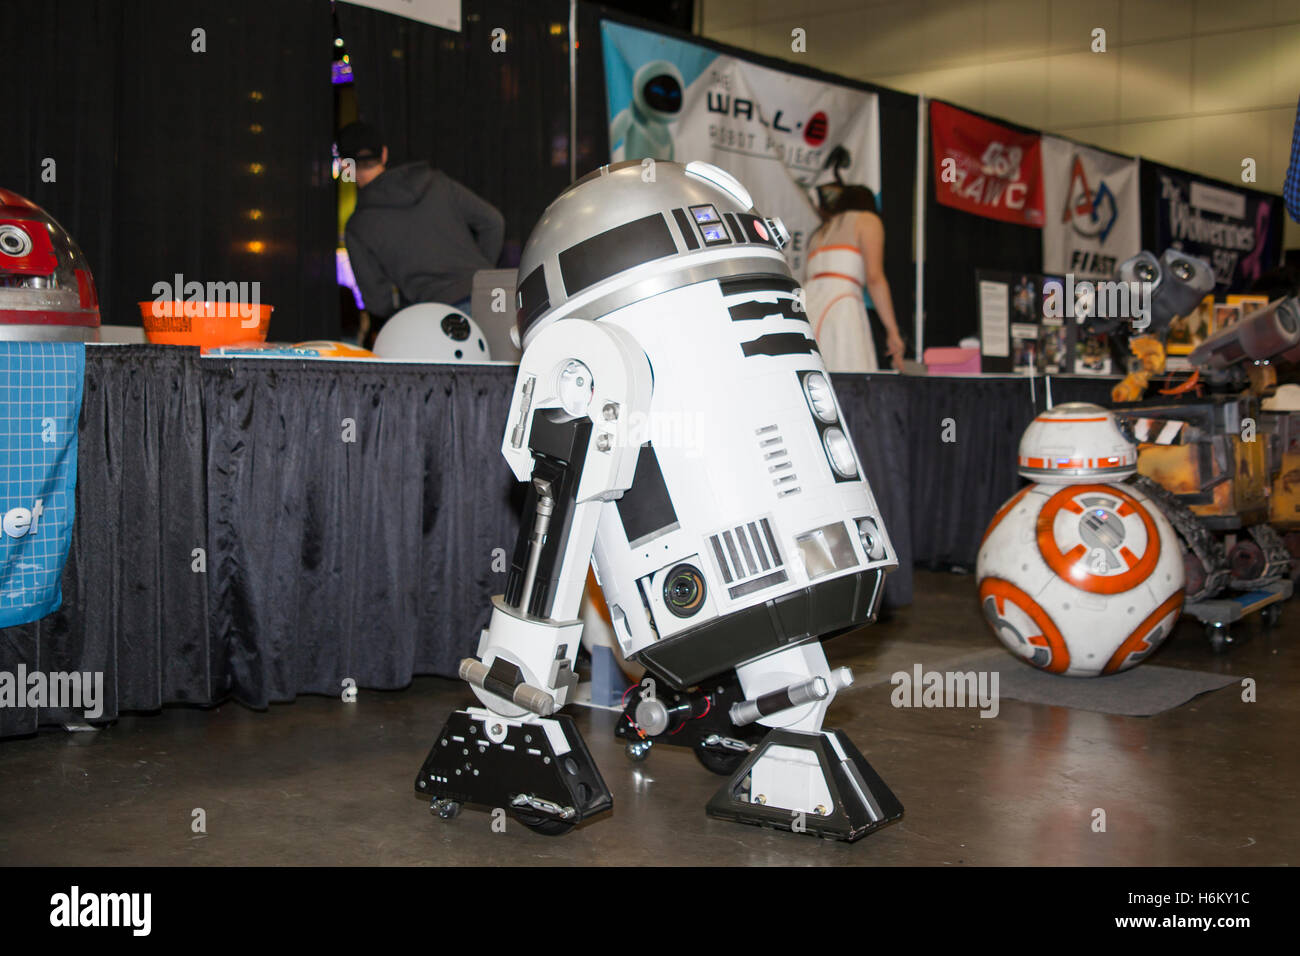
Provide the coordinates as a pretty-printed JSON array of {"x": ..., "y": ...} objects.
[{"x": 743, "y": 461}]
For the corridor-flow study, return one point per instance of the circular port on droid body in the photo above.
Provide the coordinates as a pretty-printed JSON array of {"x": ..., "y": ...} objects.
[{"x": 684, "y": 590}]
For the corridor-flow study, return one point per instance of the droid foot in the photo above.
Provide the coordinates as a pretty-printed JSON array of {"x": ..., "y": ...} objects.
[
  {"x": 538, "y": 768},
  {"x": 816, "y": 783}
]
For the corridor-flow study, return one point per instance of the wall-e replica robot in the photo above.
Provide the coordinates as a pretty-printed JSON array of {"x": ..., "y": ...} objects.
[
  {"x": 1208, "y": 457},
  {"x": 678, "y": 431}
]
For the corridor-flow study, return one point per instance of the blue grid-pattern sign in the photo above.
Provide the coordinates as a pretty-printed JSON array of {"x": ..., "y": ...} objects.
[{"x": 40, "y": 403}]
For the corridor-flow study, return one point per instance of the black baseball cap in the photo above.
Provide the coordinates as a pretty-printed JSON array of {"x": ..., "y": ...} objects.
[{"x": 360, "y": 141}]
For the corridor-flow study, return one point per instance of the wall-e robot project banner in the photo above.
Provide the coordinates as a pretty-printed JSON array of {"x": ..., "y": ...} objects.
[
  {"x": 1093, "y": 217},
  {"x": 1237, "y": 231},
  {"x": 773, "y": 131}
]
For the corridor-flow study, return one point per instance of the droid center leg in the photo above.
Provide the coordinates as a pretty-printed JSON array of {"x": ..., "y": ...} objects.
[
  {"x": 582, "y": 392},
  {"x": 801, "y": 777}
]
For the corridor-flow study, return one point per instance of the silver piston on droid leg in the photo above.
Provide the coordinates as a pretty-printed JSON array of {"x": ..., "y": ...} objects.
[{"x": 809, "y": 691}]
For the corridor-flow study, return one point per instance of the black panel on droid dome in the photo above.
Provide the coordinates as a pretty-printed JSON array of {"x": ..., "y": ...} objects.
[
  {"x": 684, "y": 227},
  {"x": 533, "y": 299},
  {"x": 615, "y": 250}
]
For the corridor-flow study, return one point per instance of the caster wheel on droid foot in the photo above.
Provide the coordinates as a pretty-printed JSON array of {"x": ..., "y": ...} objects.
[
  {"x": 1220, "y": 637},
  {"x": 447, "y": 809},
  {"x": 638, "y": 750},
  {"x": 722, "y": 762},
  {"x": 540, "y": 823}
]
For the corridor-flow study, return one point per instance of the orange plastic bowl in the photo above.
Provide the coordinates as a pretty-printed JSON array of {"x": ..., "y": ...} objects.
[{"x": 203, "y": 323}]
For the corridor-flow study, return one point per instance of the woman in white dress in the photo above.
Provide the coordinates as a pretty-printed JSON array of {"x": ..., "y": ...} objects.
[{"x": 845, "y": 256}]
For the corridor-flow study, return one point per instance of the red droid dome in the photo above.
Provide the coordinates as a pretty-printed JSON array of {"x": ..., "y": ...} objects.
[{"x": 46, "y": 290}]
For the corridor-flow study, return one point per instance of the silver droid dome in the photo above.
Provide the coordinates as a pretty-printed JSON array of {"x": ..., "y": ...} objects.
[{"x": 632, "y": 230}]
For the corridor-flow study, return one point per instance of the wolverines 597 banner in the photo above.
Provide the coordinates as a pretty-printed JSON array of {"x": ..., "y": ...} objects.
[{"x": 773, "y": 131}]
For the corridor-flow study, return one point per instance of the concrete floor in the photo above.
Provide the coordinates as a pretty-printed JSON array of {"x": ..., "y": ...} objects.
[{"x": 1213, "y": 782}]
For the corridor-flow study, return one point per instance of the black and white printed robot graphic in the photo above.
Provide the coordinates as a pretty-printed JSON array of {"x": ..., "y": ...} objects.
[{"x": 678, "y": 431}]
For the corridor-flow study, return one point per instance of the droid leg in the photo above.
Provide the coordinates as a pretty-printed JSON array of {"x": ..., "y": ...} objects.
[
  {"x": 583, "y": 390},
  {"x": 800, "y": 777}
]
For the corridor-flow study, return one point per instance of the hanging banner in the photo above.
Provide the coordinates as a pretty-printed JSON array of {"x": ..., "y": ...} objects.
[
  {"x": 986, "y": 168},
  {"x": 1238, "y": 231},
  {"x": 773, "y": 131},
  {"x": 1093, "y": 219}
]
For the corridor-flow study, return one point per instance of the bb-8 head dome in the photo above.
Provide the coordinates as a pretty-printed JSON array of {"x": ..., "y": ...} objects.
[
  {"x": 636, "y": 229},
  {"x": 46, "y": 290},
  {"x": 1074, "y": 442}
]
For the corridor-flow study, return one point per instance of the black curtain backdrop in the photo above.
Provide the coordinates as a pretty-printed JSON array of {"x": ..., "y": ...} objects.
[
  {"x": 498, "y": 122},
  {"x": 258, "y": 529},
  {"x": 956, "y": 244},
  {"x": 214, "y": 165}
]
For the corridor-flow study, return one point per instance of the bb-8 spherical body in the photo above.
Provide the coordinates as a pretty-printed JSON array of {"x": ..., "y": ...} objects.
[{"x": 1080, "y": 574}]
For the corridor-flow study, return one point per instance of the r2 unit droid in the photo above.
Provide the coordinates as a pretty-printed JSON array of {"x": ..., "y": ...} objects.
[
  {"x": 1080, "y": 574},
  {"x": 678, "y": 431},
  {"x": 47, "y": 293}
]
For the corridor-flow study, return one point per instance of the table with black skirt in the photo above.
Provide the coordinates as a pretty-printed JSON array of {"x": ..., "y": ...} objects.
[{"x": 257, "y": 528}]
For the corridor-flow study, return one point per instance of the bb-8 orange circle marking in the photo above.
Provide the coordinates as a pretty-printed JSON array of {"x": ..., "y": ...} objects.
[
  {"x": 1067, "y": 565},
  {"x": 1136, "y": 641},
  {"x": 1050, "y": 635},
  {"x": 1004, "y": 511}
]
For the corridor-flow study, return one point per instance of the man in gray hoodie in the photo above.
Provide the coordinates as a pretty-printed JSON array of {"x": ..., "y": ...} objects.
[{"x": 416, "y": 235}]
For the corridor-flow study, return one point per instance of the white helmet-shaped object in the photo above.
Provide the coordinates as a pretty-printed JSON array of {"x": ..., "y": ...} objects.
[
  {"x": 432, "y": 332},
  {"x": 636, "y": 229},
  {"x": 1073, "y": 443}
]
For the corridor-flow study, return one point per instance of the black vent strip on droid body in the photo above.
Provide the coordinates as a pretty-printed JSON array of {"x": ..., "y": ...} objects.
[
  {"x": 754, "y": 309},
  {"x": 743, "y": 304},
  {"x": 780, "y": 343},
  {"x": 777, "y": 458},
  {"x": 748, "y": 558},
  {"x": 746, "y": 285}
]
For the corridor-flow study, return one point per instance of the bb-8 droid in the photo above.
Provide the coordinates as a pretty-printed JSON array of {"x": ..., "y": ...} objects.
[{"x": 1079, "y": 573}]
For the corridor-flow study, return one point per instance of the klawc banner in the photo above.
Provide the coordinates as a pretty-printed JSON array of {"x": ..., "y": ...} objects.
[
  {"x": 1093, "y": 219},
  {"x": 773, "y": 131},
  {"x": 986, "y": 168},
  {"x": 1238, "y": 231},
  {"x": 40, "y": 404}
]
